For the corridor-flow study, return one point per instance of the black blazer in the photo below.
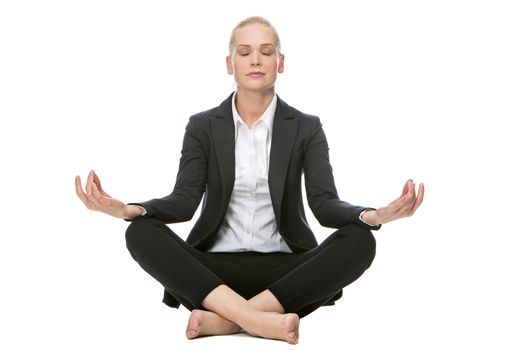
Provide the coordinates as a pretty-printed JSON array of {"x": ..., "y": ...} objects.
[{"x": 207, "y": 166}]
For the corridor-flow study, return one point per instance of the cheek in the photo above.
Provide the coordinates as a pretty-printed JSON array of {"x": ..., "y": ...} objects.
[
  {"x": 269, "y": 64},
  {"x": 237, "y": 65},
  {"x": 275, "y": 63}
]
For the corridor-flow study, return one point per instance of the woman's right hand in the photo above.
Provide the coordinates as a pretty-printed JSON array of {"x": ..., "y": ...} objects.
[{"x": 95, "y": 198}]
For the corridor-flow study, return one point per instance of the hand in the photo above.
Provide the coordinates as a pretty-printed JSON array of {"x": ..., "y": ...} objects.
[
  {"x": 95, "y": 198},
  {"x": 404, "y": 206}
]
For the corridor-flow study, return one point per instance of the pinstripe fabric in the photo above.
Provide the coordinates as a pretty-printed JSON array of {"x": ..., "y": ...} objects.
[{"x": 207, "y": 167}]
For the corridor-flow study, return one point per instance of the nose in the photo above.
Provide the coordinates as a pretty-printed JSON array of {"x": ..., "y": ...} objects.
[{"x": 254, "y": 60}]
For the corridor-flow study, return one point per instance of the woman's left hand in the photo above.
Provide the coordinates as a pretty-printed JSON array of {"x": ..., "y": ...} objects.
[{"x": 404, "y": 206}]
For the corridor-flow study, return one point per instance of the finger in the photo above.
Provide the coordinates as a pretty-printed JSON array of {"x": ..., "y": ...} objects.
[
  {"x": 89, "y": 184},
  {"x": 404, "y": 205},
  {"x": 96, "y": 193},
  {"x": 406, "y": 187},
  {"x": 80, "y": 192},
  {"x": 96, "y": 179},
  {"x": 93, "y": 195},
  {"x": 83, "y": 196},
  {"x": 399, "y": 205},
  {"x": 411, "y": 199},
  {"x": 421, "y": 193},
  {"x": 99, "y": 186},
  {"x": 97, "y": 182},
  {"x": 419, "y": 199},
  {"x": 97, "y": 198},
  {"x": 412, "y": 192},
  {"x": 103, "y": 203}
]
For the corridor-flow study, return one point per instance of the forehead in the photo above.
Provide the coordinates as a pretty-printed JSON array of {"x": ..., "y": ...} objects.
[{"x": 255, "y": 34}]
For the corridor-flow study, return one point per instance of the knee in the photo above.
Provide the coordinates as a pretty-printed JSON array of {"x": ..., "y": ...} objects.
[
  {"x": 360, "y": 241},
  {"x": 138, "y": 229},
  {"x": 357, "y": 235}
]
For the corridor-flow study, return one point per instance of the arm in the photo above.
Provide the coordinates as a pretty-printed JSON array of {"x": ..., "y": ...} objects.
[
  {"x": 190, "y": 185},
  {"x": 321, "y": 192},
  {"x": 179, "y": 206},
  {"x": 325, "y": 203}
]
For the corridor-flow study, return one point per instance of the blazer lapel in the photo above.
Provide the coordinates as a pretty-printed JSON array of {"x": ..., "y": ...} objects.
[
  {"x": 223, "y": 132},
  {"x": 283, "y": 139}
]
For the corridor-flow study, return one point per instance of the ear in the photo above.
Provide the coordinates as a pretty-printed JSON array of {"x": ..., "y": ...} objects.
[
  {"x": 229, "y": 65},
  {"x": 280, "y": 67}
]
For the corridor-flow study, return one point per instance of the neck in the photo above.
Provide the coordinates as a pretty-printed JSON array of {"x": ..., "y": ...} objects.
[{"x": 252, "y": 104}]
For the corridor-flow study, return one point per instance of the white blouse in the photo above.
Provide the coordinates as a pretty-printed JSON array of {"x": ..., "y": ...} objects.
[{"x": 249, "y": 223}]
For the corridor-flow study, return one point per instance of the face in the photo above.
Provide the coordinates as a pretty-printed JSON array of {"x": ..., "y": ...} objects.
[{"x": 255, "y": 61}]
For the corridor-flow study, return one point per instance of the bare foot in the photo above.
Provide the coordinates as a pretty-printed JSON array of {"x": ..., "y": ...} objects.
[
  {"x": 276, "y": 326},
  {"x": 203, "y": 323}
]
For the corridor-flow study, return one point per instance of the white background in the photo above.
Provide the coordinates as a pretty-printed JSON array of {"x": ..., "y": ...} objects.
[{"x": 429, "y": 90}]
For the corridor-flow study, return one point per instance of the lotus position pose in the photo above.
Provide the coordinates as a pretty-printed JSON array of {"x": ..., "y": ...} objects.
[{"x": 251, "y": 263}]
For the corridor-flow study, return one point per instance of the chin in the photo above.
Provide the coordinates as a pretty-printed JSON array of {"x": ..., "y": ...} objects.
[
  {"x": 255, "y": 89},
  {"x": 256, "y": 86}
]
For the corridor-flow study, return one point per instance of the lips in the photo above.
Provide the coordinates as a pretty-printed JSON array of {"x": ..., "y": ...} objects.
[{"x": 255, "y": 74}]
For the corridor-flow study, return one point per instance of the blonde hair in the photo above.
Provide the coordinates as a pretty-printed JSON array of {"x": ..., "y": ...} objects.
[{"x": 252, "y": 20}]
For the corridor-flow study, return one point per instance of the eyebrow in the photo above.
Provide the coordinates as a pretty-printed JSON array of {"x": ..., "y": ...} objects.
[{"x": 262, "y": 45}]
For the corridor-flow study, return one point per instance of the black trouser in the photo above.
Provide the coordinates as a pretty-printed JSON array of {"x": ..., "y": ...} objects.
[{"x": 301, "y": 282}]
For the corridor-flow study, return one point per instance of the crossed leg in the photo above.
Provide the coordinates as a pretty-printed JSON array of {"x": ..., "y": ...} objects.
[
  {"x": 346, "y": 254},
  {"x": 170, "y": 260},
  {"x": 230, "y": 313}
]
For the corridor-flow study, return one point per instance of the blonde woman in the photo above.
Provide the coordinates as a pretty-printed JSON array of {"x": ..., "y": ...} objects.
[{"x": 251, "y": 263}]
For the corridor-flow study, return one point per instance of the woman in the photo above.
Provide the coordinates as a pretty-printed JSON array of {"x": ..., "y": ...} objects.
[{"x": 251, "y": 262}]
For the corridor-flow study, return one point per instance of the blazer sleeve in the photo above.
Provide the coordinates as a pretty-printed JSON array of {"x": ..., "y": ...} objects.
[
  {"x": 321, "y": 192},
  {"x": 180, "y": 205}
]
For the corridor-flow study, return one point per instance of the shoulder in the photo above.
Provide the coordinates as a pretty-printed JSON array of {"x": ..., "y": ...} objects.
[
  {"x": 206, "y": 114},
  {"x": 309, "y": 123},
  {"x": 202, "y": 119},
  {"x": 296, "y": 113},
  {"x": 223, "y": 110}
]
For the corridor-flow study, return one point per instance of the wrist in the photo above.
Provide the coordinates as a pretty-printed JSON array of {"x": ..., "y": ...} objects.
[
  {"x": 132, "y": 211},
  {"x": 370, "y": 217}
]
